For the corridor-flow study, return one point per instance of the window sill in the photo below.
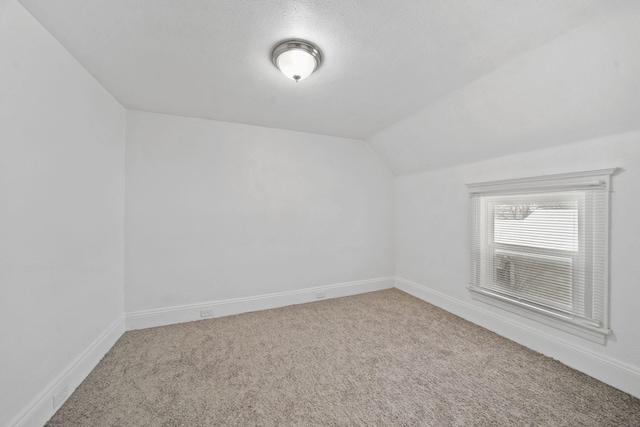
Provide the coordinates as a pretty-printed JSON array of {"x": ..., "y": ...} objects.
[{"x": 598, "y": 335}]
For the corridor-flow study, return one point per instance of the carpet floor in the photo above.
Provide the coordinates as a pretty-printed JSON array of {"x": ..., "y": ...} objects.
[{"x": 378, "y": 359}]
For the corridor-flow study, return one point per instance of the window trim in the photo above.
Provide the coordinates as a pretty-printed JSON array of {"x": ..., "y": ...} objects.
[{"x": 584, "y": 180}]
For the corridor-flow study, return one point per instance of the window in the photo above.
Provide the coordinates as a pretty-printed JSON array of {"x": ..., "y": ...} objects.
[{"x": 539, "y": 248}]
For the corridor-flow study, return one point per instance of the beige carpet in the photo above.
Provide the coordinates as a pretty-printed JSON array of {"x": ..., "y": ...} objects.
[{"x": 383, "y": 358}]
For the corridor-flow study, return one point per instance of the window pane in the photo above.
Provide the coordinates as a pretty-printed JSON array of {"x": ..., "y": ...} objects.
[
  {"x": 540, "y": 225},
  {"x": 546, "y": 280}
]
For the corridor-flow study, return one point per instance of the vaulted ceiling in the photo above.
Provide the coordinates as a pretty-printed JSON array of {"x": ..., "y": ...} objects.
[{"x": 426, "y": 82}]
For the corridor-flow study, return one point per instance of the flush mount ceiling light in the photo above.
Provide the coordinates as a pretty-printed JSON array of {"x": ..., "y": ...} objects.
[{"x": 297, "y": 59}]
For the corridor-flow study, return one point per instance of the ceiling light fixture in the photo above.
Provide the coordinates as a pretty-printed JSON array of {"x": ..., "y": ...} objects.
[{"x": 297, "y": 59}]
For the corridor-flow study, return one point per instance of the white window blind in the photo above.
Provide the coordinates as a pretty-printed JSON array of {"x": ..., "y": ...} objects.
[{"x": 539, "y": 247}]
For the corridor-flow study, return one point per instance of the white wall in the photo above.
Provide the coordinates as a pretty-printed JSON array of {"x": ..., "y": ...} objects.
[
  {"x": 218, "y": 210},
  {"x": 431, "y": 250},
  {"x": 61, "y": 212}
]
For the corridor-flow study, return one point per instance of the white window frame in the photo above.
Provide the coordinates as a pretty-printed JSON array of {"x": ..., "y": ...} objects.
[{"x": 480, "y": 239}]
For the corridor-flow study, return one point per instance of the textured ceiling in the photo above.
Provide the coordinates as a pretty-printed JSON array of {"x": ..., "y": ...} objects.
[{"x": 384, "y": 61}]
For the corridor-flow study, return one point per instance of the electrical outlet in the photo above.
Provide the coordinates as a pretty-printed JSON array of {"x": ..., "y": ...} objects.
[
  {"x": 206, "y": 312},
  {"x": 60, "y": 396},
  {"x": 320, "y": 294}
]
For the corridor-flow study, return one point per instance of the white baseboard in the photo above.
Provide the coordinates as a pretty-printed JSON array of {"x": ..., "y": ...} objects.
[
  {"x": 41, "y": 408},
  {"x": 610, "y": 371},
  {"x": 187, "y": 313}
]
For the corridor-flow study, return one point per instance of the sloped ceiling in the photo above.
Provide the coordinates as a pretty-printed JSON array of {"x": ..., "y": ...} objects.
[
  {"x": 427, "y": 83},
  {"x": 582, "y": 85}
]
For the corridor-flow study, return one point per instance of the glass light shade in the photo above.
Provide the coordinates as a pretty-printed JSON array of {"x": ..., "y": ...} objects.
[
  {"x": 296, "y": 64},
  {"x": 296, "y": 58}
]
